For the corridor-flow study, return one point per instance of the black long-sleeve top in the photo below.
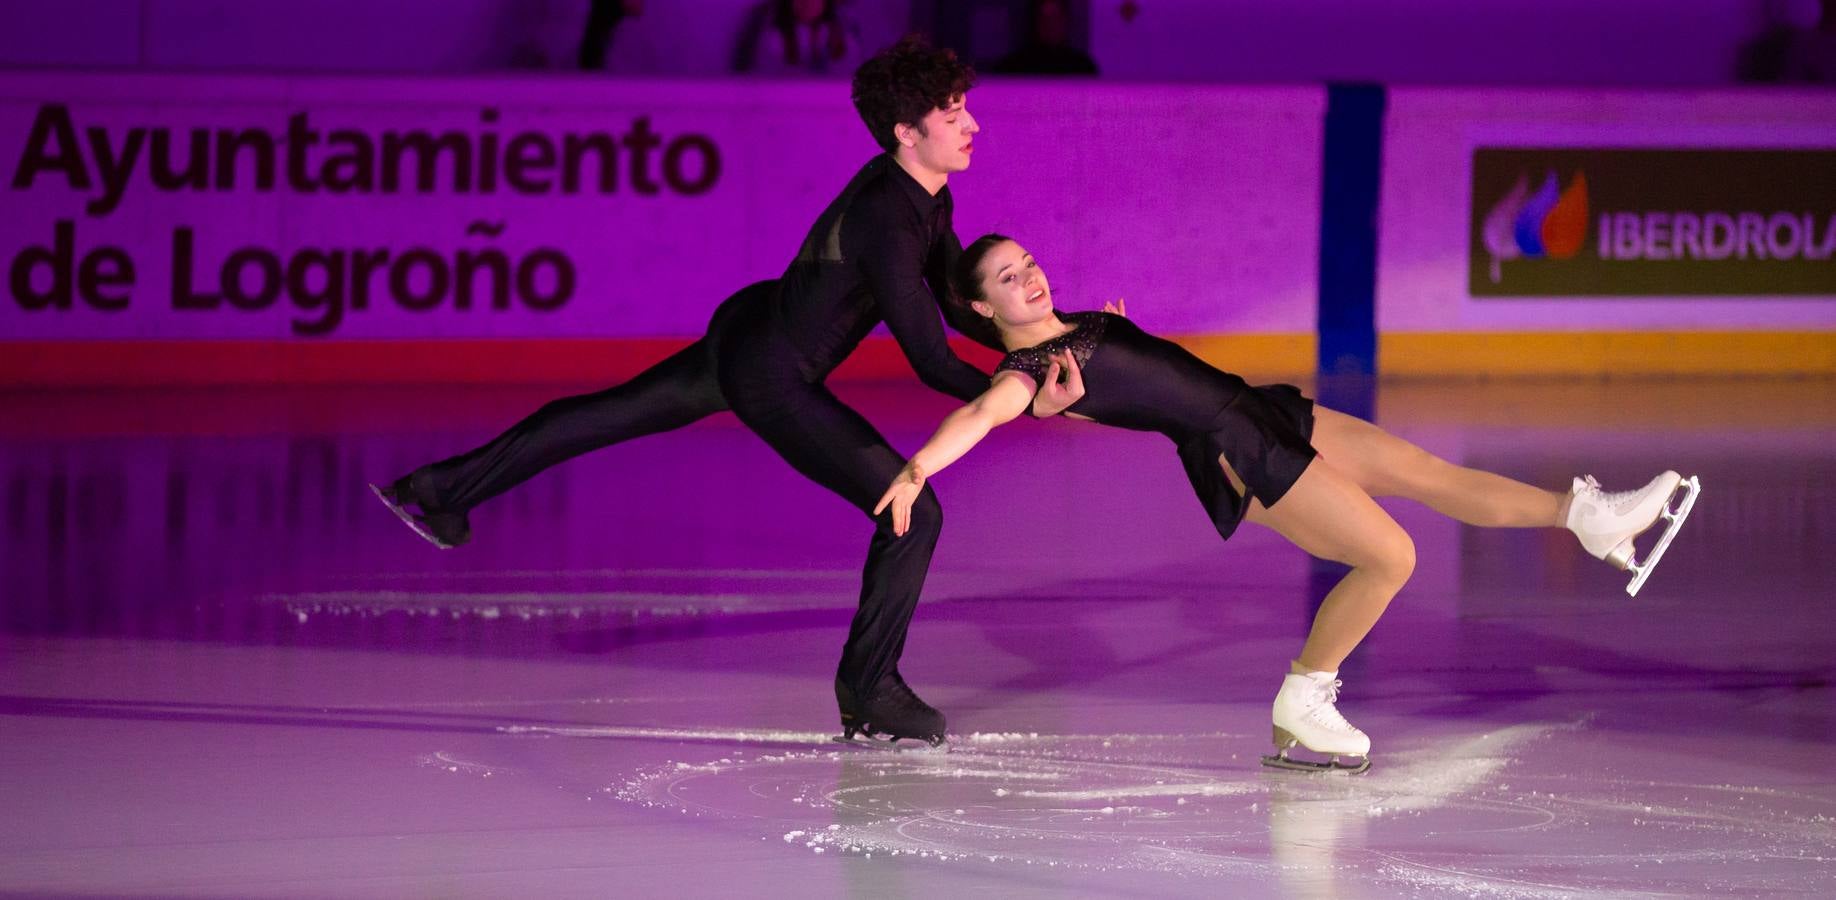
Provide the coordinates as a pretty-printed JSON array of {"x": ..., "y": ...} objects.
[{"x": 882, "y": 251}]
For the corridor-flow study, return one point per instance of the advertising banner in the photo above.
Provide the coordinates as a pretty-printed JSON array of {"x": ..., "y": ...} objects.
[
  {"x": 185, "y": 207},
  {"x": 1587, "y": 222}
]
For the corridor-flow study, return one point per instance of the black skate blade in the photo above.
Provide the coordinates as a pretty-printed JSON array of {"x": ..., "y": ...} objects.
[
  {"x": 891, "y": 744},
  {"x": 1279, "y": 761},
  {"x": 408, "y": 519}
]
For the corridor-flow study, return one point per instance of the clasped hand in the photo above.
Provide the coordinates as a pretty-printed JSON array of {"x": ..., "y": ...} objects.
[{"x": 1053, "y": 397}]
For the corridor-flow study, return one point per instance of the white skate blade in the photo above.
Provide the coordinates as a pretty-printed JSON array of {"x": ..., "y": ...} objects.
[
  {"x": 892, "y": 745},
  {"x": 1642, "y": 570},
  {"x": 408, "y": 519},
  {"x": 1283, "y": 761}
]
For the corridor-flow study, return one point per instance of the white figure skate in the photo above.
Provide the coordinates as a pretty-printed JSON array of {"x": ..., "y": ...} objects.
[
  {"x": 1607, "y": 523},
  {"x": 1305, "y": 714}
]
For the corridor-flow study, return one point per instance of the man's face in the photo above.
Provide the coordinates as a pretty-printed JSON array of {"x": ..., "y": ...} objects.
[{"x": 945, "y": 137}]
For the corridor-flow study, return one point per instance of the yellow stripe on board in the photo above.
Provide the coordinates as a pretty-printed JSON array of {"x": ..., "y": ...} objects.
[
  {"x": 1606, "y": 353},
  {"x": 1256, "y": 355},
  {"x": 1469, "y": 354}
]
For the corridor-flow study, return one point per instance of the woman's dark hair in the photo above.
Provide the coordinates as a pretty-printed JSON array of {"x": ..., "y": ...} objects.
[
  {"x": 966, "y": 286},
  {"x": 966, "y": 276},
  {"x": 904, "y": 82}
]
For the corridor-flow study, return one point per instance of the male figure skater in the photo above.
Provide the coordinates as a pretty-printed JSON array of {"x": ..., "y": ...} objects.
[{"x": 881, "y": 251}]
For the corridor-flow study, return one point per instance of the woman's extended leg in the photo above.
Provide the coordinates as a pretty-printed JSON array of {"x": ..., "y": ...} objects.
[{"x": 1385, "y": 465}]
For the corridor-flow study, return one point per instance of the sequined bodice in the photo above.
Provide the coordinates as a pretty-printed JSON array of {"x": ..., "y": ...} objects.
[{"x": 1082, "y": 341}]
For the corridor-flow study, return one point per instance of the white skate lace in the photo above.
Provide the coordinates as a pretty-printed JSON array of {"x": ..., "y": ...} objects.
[
  {"x": 1615, "y": 499},
  {"x": 1324, "y": 712}
]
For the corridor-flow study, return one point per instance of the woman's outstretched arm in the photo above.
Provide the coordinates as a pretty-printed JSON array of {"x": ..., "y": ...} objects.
[{"x": 1005, "y": 398}]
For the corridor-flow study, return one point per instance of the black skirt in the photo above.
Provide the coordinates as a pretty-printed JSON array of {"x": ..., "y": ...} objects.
[{"x": 1265, "y": 433}]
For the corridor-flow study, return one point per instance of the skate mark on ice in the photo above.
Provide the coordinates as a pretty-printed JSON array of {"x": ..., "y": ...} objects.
[
  {"x": 530, "y": 605},
  {"x": 1420, "y": 877},
  {"x": 997, "y": 799},
  {"x": 1178, "y": 804},
  {"x": 1672, "y": 838},
  {"x": 1193, "y": 789},
  {"x": 1433, "y": 777},
  {"x": 507, "y": 703},
  {"x": 699, "y": 575},
  {"x": 441, "y": 759},
  {"x": 700, "y": 735}
]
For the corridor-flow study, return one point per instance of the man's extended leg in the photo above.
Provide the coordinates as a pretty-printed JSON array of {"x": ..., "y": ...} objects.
[
  {"x": 673, "y": 393},
  {"x": 434, "y": 499}
]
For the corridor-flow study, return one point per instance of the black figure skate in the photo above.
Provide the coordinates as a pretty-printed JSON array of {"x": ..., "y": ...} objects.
[
  {"x": 442, "y": 528},
  {"x": 890, "y": 718}
]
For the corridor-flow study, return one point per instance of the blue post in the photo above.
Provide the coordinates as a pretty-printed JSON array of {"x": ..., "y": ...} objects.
[{"x": 1352, "y": 166}]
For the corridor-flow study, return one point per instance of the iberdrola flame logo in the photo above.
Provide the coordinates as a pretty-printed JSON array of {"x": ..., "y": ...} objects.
[{"x": 1551, "y": 223}]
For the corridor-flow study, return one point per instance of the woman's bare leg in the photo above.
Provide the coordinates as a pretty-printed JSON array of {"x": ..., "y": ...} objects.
[
  {"x": 1385, "y": 465},
  {"x": 1329, "y": 516}
]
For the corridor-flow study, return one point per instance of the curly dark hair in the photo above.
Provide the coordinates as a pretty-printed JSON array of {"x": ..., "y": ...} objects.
[
  {"x": 904, "y": 82},
  {"x": 966, "y": 287}
]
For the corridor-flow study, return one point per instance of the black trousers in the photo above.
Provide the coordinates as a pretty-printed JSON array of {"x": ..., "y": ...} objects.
[{"x": 745, "y": 365}]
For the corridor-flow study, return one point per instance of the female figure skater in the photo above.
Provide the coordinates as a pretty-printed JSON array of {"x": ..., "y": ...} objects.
[{"x": 1268, "y": 454}]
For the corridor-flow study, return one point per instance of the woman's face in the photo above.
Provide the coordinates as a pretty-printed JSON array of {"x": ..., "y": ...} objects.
[{"x": 1014, "y": 288}]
